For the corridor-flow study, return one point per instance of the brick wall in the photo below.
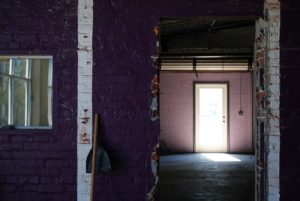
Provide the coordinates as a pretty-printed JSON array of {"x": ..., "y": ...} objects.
[
  {"x": 40, "y": 165},
  {"x": 289, "y": 101},
  {"x": 177, "y": 110},
  {"x": 123, "y": 43}
]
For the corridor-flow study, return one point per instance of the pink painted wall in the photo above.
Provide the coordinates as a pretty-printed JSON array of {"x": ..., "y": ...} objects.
[{"x": 176, "y": 110}]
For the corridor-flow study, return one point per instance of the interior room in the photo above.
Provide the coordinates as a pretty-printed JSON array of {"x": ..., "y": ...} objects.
[
  {"x": 206, "y": 109},
  {"x": 142, "y": 83}
]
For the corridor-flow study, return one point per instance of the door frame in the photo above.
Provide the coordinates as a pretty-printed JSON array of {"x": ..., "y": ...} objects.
[{"x": 194, "y": 112}]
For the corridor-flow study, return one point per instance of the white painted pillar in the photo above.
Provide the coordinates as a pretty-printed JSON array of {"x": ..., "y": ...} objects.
[
  {"x": 84, "y": 104},
  {"x": 272, "y": 80}
]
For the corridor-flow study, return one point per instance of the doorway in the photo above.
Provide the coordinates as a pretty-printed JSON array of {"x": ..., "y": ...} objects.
[
  {"x": 206, "y": 106},
  {"x": 211, "y": 124}
]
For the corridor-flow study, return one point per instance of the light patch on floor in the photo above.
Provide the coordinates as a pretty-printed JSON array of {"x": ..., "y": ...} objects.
[{"x": 221, "y": 157}]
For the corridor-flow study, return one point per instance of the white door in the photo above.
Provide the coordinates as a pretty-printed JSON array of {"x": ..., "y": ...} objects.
[{"x": 210, "y": 117}]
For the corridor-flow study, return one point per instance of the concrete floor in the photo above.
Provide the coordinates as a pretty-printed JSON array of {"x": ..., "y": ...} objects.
[{"x": 190, "y": 177}]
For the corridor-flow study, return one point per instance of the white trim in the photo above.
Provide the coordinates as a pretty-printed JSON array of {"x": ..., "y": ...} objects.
[
  {"x": 26, "y": 57},
  {"x": 50, "y": 92},
  {"x": 33, "y": 127},
  {"x": 84, "y": 96},
  {"x": 28, "y": 91},
  {"x": 272, "y": 82},
  {"x": 10, "y": 97}
]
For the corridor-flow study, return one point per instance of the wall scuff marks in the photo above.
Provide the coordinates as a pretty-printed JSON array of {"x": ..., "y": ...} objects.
[{"x": 84, "y": 112}]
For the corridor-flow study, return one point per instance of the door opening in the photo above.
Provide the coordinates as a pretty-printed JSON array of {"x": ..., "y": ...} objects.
[
  {"x": 200, "y": 90},
  {"x": 211, "y": 124}
]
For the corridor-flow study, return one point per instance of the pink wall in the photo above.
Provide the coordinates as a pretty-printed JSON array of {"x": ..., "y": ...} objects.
[{"x": 176, "y": 110}]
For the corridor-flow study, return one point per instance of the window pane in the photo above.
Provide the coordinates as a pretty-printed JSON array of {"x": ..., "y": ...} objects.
[
  {"x": 39, "y": 92},
  {"x": 4, "y": 100},
  {"x": 19, "y": 66},
  {"x": 19, "y": 102},
  {"x": 4, "y": 66}
]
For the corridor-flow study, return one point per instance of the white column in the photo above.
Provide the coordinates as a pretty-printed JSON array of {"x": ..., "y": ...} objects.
[
  {"x": 84, "y": 107},
  {"x": 273, "y": 98}
]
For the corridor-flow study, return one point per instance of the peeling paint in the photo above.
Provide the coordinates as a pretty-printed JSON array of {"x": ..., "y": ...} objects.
[
  {"x": 84, "y": 137},
  {"x": 154, "y": 103},
  {"x": 268, "y": 92},
  {"x": 153, "y": 194},
  {"x": 272, "y": 82}
]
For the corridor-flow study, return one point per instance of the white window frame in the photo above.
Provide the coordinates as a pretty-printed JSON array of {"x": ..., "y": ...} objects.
[{"x": 11, "y": 76}]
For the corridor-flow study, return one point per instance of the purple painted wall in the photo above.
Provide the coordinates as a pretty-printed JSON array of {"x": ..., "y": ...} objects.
[
  {"x": 289, "y": 101},
  {"x": 41, "y": 164},
  {"x": 177, "y": 110},
  {"x": 123, "y": 44}
]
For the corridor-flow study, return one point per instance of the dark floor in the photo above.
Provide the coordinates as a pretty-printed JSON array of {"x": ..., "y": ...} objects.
[{"x": 190, "y": 177}]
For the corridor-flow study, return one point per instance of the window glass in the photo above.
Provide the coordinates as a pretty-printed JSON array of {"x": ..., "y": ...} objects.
[
  {"x": 19, "y": 102},
  {"x": 39, "y": 93},
  {"x": 19, "y": 67},
  {"x": 4, "y": 99},
  {"x": 4, "y": 66},
  {"x": 26, "y": 92}
]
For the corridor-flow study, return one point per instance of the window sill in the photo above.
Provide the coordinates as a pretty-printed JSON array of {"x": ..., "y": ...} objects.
[
  {"x": 26, "y": 130},
  {"x": 33, "y": 127}
]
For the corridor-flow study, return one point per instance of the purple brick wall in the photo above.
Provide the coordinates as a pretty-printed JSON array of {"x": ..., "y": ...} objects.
[
  {"x": 40, "y": 165},
  {"x": 177, "y": 110},
  {"x": 289, "y": 101},
  {"x": 123, "y": 44}
]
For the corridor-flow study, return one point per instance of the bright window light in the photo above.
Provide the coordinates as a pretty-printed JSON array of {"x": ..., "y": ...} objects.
[
  {"x": 221, "y": 157},
  {"x": 26, "y": 91}
]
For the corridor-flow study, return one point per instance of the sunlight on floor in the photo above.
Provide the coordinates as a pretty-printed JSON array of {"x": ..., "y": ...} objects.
[{"x": 220, "y": 157}]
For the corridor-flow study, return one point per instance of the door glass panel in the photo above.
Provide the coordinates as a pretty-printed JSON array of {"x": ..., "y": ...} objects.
[{"x": 211, "y": 114}]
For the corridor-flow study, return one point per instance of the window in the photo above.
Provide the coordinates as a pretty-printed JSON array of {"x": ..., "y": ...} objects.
[{"x": 26, "y": 91}]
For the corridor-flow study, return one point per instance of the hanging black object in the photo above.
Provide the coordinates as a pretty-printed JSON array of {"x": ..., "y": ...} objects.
[
  {"x": 100, "y": 156},
  {"x": 97, "y": 160},
  {"x": 241, "y": 112},
  {"x": 102, "y": 161}
]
